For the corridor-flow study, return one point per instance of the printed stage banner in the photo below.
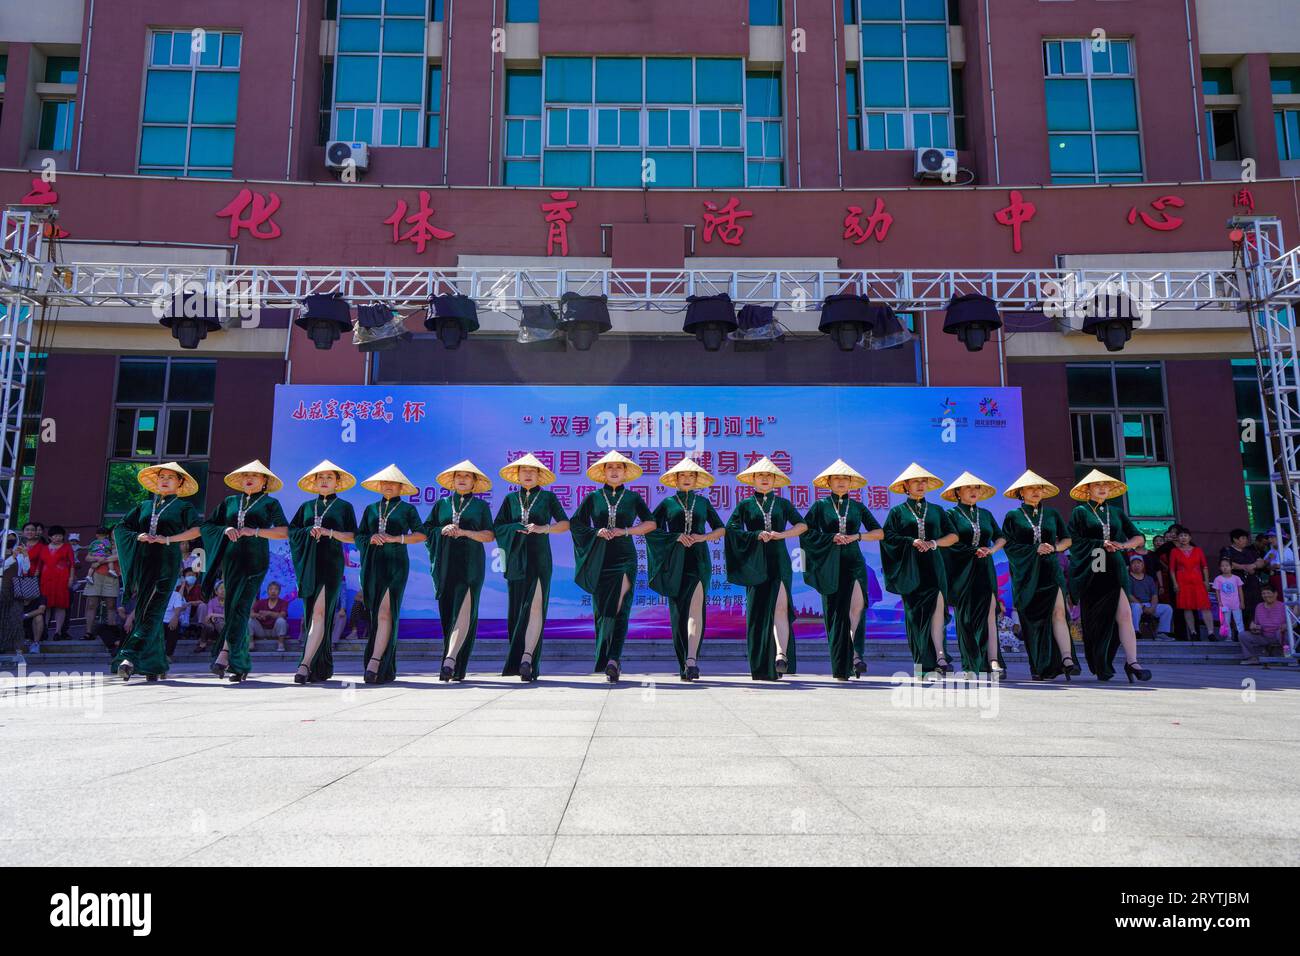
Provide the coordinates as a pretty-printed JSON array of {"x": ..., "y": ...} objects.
[{"x": 425, "y": 429}]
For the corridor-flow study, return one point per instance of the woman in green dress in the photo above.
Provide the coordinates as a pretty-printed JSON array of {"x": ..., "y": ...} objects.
[
  {"x": 913, "y": 566},
  {"x": 1099, "y": 533},
  {"x": 1036, "y": 537},
  {"x": 835, "y": 568},
  {"x": 972, "y": 578},
  {"x": 759, "y": 561},
  {"x": 677, "y": 557},
  {"x": 148, "y": 546},
  {"x": 320, "y": 528},
  {"x": 522, "y": 525},
  {"x": 386, "y": 528},
  {"x": 457, "y": 528},
  {"x": 235, "y": 540},
  {"x": 605, "y": 556}
]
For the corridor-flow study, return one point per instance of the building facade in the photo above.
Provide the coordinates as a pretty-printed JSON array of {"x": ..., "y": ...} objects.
[{"x": 734, "y": 134}]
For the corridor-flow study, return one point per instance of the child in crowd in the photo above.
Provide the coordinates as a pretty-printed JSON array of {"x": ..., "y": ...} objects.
[
  {"x": 214, "y": 620},
  {"x": 1228, "y": 587},
  {"x": 1008, "y": 629}
]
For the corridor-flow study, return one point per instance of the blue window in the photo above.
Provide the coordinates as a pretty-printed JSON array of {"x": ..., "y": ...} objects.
[
  {"x": 668, "y": 81},
  {"x": 4, "y": 66},
  {"x": 1285, "y": 79},
  {"x": 1092, "y": 119},
  {"x": 763, "y": 130},
  {"x": 191, "y": 103},
  {"x": 385, "y": 93},
  {"x": 1286, "y": 125},
  {"x": 568, "y": 79},
  {"x": 61, "y": 69},
  {"x": 523, "y": 128},
  {"x": 765, "y": 13},
  {"x": 905, "y": 97},
  {"x": 1216, "y": 80},
  {"x": 56, "y": 124},
  {"x": 618, "y": 80},
  {"x": 521, "y": 11}
]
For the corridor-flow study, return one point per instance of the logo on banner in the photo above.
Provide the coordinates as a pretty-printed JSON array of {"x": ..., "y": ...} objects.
[{"x": 990, "y": 415}]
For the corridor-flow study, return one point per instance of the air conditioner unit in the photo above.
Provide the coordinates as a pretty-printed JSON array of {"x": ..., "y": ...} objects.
[
  {"x": 930, "y": 162},
  {"x": 341, "y": 155}
]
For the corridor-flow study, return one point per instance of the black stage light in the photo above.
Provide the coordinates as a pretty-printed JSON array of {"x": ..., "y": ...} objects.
[
  {"x": 187, "y": 316},
  {"x": 378, "y": 329},
  {"x": 710, "y": 318},
  {"x": 845, "y": 318},
  {"x": 324, "y": 317},
  {"x": 886, "y": 331},
  {"x": 539, "y": 328},
  {"x": 757, "y": 329},
  {"x": 1110, "y": 315},
  {"x": 453, "y": 317},
  {"x": 972, "y": 318},
  {"x": 583, "y": 318}
]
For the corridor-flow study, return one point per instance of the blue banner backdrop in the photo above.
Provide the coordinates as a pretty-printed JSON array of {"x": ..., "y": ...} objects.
[{"x": 425, "y": 429}]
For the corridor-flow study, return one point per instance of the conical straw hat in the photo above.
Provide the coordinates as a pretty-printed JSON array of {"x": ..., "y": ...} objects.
[
  {"x": 914, "y": 471},
  {"x": 481, "y": 483},
  {"x": 965, "y": 480},
  {"x": 510, "y": 473},
  {"x": 149, "y": 478},
  {"x": 1031, "y": 479},
  {"x": 840, "y": 467},
  {"x": 255, "y": 467},
  {"x": 1080, "y": 491},
  {"x": 763, "y": 466},
  {"x": 597, "y": 471},
  {"x": 702, "y": 478},
  {"x": 391, "y": 473},
  {"x": 308, "y": 484}
]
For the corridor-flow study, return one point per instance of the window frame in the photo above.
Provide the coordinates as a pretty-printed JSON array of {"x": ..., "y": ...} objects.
[
  {"x": 908, "y": 112},
  {"x": 374, "y": 138},
  {"x": 1087, "y": 75}
]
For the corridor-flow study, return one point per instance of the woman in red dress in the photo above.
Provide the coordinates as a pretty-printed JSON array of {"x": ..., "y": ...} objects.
[
  {"x": 57, "y": 563},
  {"x": 1191, "y": 582}
]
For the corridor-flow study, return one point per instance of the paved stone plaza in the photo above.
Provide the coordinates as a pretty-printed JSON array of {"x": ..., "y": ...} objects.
[{"x": 1190, "y": 769}]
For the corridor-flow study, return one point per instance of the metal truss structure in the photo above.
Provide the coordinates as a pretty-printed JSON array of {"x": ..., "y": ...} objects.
[{"x": 1266, "y": 286}]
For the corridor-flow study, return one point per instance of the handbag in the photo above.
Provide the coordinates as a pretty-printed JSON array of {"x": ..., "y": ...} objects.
[{"x": 27, "y": 588}]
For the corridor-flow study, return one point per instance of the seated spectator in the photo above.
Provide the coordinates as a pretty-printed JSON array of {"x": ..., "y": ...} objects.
[
  {"x": 1229, "y": 589},
  {"x": 193, "y": 594},
  {"x": 177, "y": 616},
  {"x": 113, "y": 634},
  {"x": 1267, "y": 631},
  {"x": 1146, "y": 604},
  {"x": 1008, "y": 629},
  {"x": 269, "y": 618},
  {"x": 357, "y": 620},
  {"x": 214, "y": 620}
]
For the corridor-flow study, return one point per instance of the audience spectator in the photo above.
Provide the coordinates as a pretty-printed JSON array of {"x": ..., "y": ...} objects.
[
  {"x": 1229, "y": 590},
  {"x": 11, "y": 608},
  {"x": 357, "y": 621},
  {"x": 193, "y": 594},
  {"x": 1008, "y": 629},
  {"x": 57, "y": 566},
  {"x": 1191, "y": 574},
  {"x": 270, "y": 618},
  {"x": 103, "y": 583},
  {"x": 1146, "y": 601},
  {"x": 1266, "y": 632},
  {"x": 177, "y": 616},
  {"x": 1248, "y": 565},
  {"x": 214, "y": 620}
]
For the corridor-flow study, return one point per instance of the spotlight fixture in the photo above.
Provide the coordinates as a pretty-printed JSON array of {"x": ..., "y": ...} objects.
[
  {"x": 325, "y": 316},
  {"x": 757, "y": 329},
  {"x": 1110, "y": 315},
  {"x": 189, "y": 319},
  {"x": 378, "y": 329},
  {"x": 972, "y": 318},
  {"x": 539, "y": 329},
  {"x": 845, "y": 318},
  {"x": 710, "y": 318},
  {"x": 583, "y": 318},
  {"x": 453, "y": 317},
  {"x": 886, "y": 331}
]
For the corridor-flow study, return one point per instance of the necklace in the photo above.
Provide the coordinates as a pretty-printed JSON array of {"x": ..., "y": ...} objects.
[
  {"x": 974, "y": 523},
  {"x": 612, "y": 519},
  {"x": 1103, "y": 515},
  {"x": 688, "y": 509},
  {"x": 317, "y": 515},
  {"x": 155, "y": 513},
  {"x": 919, "y": 516},
  {"x": 1035, "y": 526},
  {"x": 246, "y": 505},
  {"x": 386, "y": 507},
  {"x": 526, "y": 505},
  {"x": 767, "y": 512},
  {"x": 457, "y": 512},
  {"x": 843, "y": 516}
]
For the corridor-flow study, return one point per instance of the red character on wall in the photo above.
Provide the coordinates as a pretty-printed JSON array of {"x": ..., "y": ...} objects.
[
  {"x": 1242, "y": 199},
  {"x": 559, "y": 214},
  {"x": 41, "y": 194},
  {"x": 1166, "y": 222},
  {"x": 877, "y": 225},
  {"x": 263, "y": 208},
  {"x": 725, "y": 220},
  {"x": 1015, "y": 214},
  {"x": 421, "y": 223}
]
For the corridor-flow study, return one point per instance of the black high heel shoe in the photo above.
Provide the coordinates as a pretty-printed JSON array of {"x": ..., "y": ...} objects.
[
  {"x": 1138, "y": 671},
  {"x": 125, "y": 670},
  {"x": 782, "y": 665},
  {"x": 447, "y": 673},
  {"x": 943, "y": 666},
  {"x": 859, "y": 667},
  {"x": 692, "y": 672},
  {"x": 526, "y": 669},
  {"x": 613, "y": 672},
  {"x": 372, "y": 676},
  {"x": 218, "y": 668},
  {"x": 300, "y": 677},
  {"x": 153, "y": 678},
  {"x": 1072, "y": 669},
  {"x": 238, "y": 678}
]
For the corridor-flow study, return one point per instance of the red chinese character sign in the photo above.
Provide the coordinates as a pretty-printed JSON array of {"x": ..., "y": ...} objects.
[
  {"x": 252, "y": 211},
  {"x": 1165, "y": 222},
  {"x": 421, "y": 224},
  {"x": 876, "y": 226},
  {"x": 1015, "y": 214},
  {"x": 725, "y": 221},
  {"x": 559, "y": 213}
]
